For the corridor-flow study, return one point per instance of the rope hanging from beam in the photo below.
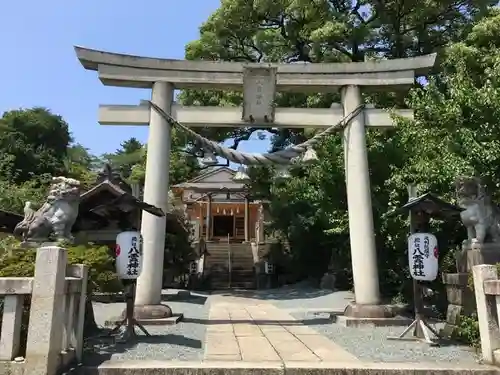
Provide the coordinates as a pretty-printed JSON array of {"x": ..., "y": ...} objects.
[{"x": 279, "y": 157}]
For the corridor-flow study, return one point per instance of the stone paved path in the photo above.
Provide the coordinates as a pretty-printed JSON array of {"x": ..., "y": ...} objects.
[{"x": 249, "y": 330}]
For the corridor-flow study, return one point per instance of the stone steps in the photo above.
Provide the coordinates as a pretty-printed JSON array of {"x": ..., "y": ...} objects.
[
  {"x": 242, "y": 278},
  {"x": 242, "y": 272},
  {"x": 234, "y": 265},
  {"x": 156, "y": 367},
  {"x": 234, "y": 285}
]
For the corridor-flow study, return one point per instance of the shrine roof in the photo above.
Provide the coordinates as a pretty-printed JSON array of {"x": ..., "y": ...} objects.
[
  {"x": 220, "y": 186},
  {"x": 114, "y": 196},
  {"x": 213, "y": 180}
]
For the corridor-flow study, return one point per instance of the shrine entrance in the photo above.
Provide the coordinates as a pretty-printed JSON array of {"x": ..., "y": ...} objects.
[{"x": 223, "y": 226}]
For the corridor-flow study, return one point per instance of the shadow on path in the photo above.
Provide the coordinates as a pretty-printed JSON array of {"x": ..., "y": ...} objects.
[
  {"x": 195, "y": 299},
  {"x": 283, "y": 293},
  {"x": 101, "y": 348},
  {"x": 284, "y": 322}
]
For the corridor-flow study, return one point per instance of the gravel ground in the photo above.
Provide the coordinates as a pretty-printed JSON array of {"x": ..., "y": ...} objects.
[
  {"x": 182, "y": 341},
  {"x": 367, "y": 343},
  {"x": 371, "y": 344}
]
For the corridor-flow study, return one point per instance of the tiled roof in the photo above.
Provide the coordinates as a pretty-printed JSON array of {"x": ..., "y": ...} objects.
[{"x": 121, "y": 197}]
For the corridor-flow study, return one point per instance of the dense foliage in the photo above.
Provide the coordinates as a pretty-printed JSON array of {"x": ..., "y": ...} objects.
[
  {"x": 323, "y": 31},
  {"x": 35, "y": 145},
  {"x": 455, "y": 130},
  {"x": 20, "y": 262}
]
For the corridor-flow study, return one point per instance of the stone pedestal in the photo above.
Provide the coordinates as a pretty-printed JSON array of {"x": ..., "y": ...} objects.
[
  {"x": 459, "y": 292},
  {"x": 461, "y": 301},
  {"x": 373, "y": 315},
  {"x": 488, "y": 253}
]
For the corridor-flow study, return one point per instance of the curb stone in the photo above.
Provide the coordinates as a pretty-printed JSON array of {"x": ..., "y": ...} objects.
[{"x": 281, "y": 368}]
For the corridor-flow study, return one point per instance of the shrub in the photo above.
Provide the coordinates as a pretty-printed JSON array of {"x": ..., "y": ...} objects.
[
  {"x": 468, "y": 331},
  {"x": 468, "y": 328},
  {"x": 20, "y": 262}
]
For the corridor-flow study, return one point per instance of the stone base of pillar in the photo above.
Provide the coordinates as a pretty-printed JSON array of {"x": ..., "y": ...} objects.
[
  {"x": 159, "y": 311},
  {"x": 374, "y": 315},
  {"x": 146, "y": 312},
  {"x": 150, "y": 315}
]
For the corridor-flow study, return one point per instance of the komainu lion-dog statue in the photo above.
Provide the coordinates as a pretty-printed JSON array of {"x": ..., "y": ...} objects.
[
  {"x": 481, "y": 216},
  {"x": 56, "y": 216}
]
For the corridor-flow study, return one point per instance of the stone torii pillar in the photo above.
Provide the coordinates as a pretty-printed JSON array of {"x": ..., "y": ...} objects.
[
  {"x": 156, "y": 188},
  {"x": 359, "y": 202},
  {"x": 260, "y": 83}
]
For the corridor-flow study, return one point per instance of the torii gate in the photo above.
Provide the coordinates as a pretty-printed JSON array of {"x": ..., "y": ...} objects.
[{"x": 259, "y": 83}]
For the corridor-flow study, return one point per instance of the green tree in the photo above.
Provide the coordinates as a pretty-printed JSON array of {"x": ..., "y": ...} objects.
[
  {"x": 81, "y": 164},
  {"x": 312, "y": 208},
  {"x": 183, "y": 163},
  {"x": 323, "y": 31},
  {"x": 126, "y": 157},
  {"x": 129, "y": 146},
  {"x": 33, "y": 143},
  {"x": 455, "y": 132},
  {"x": 14, "y": 196}
]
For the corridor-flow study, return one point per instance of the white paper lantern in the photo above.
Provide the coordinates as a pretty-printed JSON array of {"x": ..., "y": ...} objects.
[
  {"x": 423, "y": 256},
  {"x": 128, "y": 255}
]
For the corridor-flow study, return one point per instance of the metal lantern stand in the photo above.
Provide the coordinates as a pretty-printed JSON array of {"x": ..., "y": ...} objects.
[
  {"x": 421, "y": 209},
  {"x": 129, "y": 322},
  {"x": 419, "y": 328}
]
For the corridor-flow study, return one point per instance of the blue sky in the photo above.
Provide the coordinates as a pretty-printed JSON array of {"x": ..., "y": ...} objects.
[{"x": 39, "y": 67}]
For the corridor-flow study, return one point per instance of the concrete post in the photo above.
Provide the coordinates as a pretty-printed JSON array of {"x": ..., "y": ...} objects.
[
  {"x": 82, "y": 272},
  {"x": 247, "y": 219},
  {"x": 486, "y": 311},
  {"x": 156, "y": 187},
  {"x": 362, "y": 237},
  {"x": 10, "y": 339},
  {"x": 45, "y": 333}
]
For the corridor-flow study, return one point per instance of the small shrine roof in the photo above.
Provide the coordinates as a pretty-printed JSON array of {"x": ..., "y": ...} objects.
[
  {"x": 127, "y": 200},
  {"x": 109, "y": 193},
  {"x": 431, "y": 205}
]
